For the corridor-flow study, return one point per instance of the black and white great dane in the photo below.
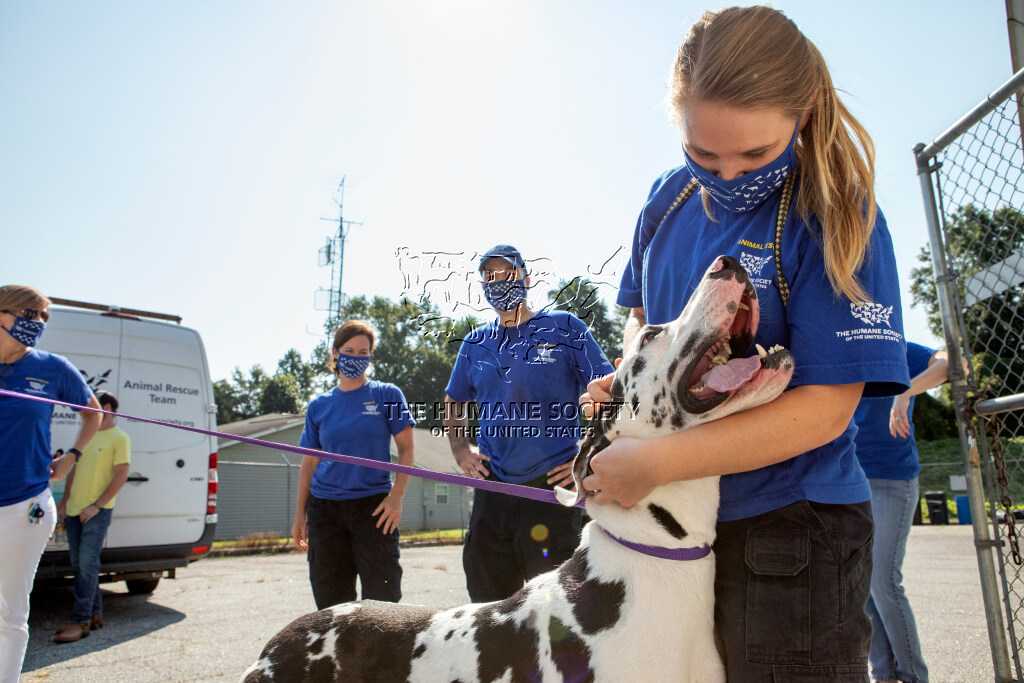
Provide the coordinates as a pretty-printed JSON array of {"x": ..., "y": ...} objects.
[{"x": 610, "y": 613}]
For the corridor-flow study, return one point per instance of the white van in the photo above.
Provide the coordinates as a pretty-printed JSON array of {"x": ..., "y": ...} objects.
[{"x": 165, "y": 515}]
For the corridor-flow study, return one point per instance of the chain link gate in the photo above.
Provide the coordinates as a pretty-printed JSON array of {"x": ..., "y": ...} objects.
[{"x": 972, "y": 180}]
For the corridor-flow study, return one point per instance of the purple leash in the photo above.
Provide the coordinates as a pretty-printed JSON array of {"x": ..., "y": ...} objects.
[{"x": 518, "y": 490}]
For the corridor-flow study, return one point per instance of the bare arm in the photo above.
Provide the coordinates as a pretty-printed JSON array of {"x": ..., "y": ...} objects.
[
  {"x": 935, "y": 374},
  {"x": 306, "y": 470},
  {"x": 456, "y": 424},
  {"x": 404, "y": 443},
  {"x": 798, "y": 421},
  {"x": 88, "y": 428},
  {"x": 118, "y": 480}
]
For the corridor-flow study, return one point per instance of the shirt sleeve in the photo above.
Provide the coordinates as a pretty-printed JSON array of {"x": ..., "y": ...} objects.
[
  {"x": 311, "y": 431},
  {"x": 123, "y": 454},
  {"x": 397, "y": 411},
  {"x": 918, "y": 358},
  {"x": 460, "y": 385},
  {"x": 591, "y": 362},
  {"x": 631, "y": 285},
  {"x": 74, "y": 388},
  {"x": 835, "y": 341}
]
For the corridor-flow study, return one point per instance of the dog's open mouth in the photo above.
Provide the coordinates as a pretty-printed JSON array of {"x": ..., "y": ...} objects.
[{"x": 720, "y": 370}]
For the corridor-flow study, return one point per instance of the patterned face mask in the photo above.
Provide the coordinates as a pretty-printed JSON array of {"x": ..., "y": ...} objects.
[
  {"x": 351, "y": 366},
  {"x": 505, "y": 295},
  {"x": 748, "y": 191},
  {"x": 26, "y": 331}
]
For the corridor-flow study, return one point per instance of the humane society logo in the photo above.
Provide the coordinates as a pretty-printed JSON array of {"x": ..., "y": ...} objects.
[
  {"x": 753, "y": 264},
  {"x": 36, "y": 385},
  {"x": 545, "y": 354},
  {"x": 878, "y": 318},
  {"x": 370, "y": 408},
  {"x": 871, "y": 313}
]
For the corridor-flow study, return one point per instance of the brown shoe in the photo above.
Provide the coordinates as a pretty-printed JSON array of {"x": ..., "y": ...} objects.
[
  {"x": 71, "y": 633},
  {"x": 96, "y": 622}
]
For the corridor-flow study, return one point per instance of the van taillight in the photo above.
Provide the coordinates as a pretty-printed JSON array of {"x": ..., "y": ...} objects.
[{"x": 211, "y": 491}]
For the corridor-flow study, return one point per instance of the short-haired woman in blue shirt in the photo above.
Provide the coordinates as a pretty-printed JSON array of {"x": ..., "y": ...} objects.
[
  {"x": 27, "y": 511},
  {"x": 348, "y": 515},
  {"x": 782, "y": 174}
]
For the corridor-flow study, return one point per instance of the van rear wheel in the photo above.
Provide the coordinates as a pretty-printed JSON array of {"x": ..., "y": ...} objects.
[{"x": 141, "y": 586}]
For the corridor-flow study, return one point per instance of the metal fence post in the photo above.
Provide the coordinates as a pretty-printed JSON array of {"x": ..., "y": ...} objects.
[{"x": 975, "y": 489}]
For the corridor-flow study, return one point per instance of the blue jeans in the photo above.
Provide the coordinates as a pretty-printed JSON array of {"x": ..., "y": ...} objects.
[
  {"x": 85, "y": 541},
  {"x": 895, "y": 647}
]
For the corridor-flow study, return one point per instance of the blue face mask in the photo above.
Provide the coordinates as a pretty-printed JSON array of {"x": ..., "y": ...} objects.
[
  {"x": 505, "y": 295},
  {"x": 26, "y": 331},
  {"x": 351, "y": 366},
  {"x": 748, "y": 191}
]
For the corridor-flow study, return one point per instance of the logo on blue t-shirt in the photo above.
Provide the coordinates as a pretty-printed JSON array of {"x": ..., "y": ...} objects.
[
  {"x": 370, "y": 408},
  {"x": 753, "y": 264},
  {"x": 36, "y": 385},
  {"x": 545, "y": 354},
  {"x": 871, "y": 313}
]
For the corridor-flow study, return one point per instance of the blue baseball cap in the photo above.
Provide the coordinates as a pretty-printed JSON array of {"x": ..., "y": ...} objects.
[{"x": 504, "y": 251}]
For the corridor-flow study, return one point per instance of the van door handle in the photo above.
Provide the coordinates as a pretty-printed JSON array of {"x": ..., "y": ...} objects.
[{"x": 137, "y": 477}]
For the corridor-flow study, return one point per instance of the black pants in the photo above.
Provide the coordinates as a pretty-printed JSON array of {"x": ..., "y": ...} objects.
[
  {"x": 344, "y": 543},
  {"x": 511, "y": 540},
  {"x": 791, "y": 588}
]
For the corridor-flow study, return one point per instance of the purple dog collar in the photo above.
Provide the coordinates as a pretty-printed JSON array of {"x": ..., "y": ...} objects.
[{"x": 678, "y": 554}]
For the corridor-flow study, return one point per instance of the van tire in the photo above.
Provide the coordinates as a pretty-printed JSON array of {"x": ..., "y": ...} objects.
[{"x": 141, "y": 586}]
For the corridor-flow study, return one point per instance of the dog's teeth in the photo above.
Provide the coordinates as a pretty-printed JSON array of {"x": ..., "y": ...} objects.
[
  {"x": 720, "y": 359},
  {"x": 744, "y": 307},
  {"x": 760, "y": 350},
  {"x": 697, "y": 388},
  {"x": 775, "y": 348}
]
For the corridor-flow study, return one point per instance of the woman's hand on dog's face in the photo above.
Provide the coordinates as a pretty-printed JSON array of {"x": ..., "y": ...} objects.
[
  {"x": 598, "y": 391},
  {"x": 618, "y": 474}
]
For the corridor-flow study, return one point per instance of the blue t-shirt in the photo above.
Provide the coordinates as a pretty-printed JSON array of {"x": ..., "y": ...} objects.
[
  {"x": 526, "y": 382},
  {"x": 360, "y": 422},
  {"x": 882, "y": 455},
  {"x": 832, "y": 340},
  {"x": 25, "y": 451}
]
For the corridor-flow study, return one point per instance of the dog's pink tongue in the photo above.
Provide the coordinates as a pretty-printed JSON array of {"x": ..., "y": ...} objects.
[{"x": 732, "y": 375}]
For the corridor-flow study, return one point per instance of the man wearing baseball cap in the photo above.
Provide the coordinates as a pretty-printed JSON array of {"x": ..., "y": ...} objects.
[{"x": 521, "y": 376}]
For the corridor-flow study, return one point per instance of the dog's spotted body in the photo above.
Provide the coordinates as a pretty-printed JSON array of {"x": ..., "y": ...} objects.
[{"x": 610, "y": 613}]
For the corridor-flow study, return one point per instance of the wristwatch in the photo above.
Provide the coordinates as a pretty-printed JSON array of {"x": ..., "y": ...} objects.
[{"x": 75, "y": 452}]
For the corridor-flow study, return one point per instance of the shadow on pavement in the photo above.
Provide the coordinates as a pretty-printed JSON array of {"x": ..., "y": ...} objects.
[{"x": 127, "y": 617}]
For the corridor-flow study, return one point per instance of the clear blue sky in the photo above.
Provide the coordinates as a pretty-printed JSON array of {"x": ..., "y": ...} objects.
[{"x": 178, "y": 156}]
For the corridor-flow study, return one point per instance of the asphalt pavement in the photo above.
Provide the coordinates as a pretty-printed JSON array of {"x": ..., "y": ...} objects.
[{"x": 211, "y": 622}]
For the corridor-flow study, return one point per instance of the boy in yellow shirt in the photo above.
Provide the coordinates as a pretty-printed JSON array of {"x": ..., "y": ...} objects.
[{"x": 86, "y": 509}]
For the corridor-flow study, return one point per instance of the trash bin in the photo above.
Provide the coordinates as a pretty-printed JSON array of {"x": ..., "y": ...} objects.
[
  {"x": 938, "y": 513},
  {"x": 963, "y": 509}
]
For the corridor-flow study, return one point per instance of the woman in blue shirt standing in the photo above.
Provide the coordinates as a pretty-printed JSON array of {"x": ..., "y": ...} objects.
[
  {"x": 781, "y": 177},
  {"x": 27, "y": 511},
  {"x": 347, "y": 515},
  {"x": 887, "y": 451}
]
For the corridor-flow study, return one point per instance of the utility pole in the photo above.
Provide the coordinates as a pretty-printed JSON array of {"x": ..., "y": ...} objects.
[
  {"x": 1015, "y": 29},
  {"x": 333, "y": 254}
]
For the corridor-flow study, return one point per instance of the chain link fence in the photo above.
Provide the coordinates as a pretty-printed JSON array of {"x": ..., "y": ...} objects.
[{"x": 972, "y": 179}]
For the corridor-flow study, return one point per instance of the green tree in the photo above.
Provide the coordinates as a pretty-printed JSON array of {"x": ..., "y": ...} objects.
[
  {"x": 281, "y": 394},
  {"x": 304, "y": 373},
  {"x": 249, "y": 388},
  {"x": 228, "y": 401},
  {"x": 582, "y": 298},
  {"x": 977, "y": 238}
]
